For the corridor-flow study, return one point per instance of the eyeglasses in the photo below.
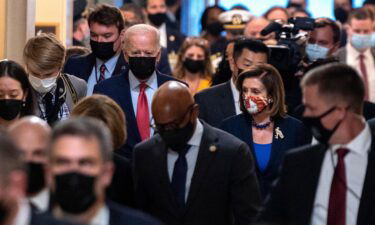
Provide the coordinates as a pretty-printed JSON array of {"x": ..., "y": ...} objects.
[{"x": 170, "y": 126}]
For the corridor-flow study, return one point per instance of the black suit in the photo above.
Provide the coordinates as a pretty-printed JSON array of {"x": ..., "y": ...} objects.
[
  {"x": 118, "y": 88},
  {"x": 216, "y": 103},
  {"x": 46, "y": 219},
  {"x": 174, "y": 39},
  {"x": 292, "y": 199},
  {"x": 224, "y": 184}
]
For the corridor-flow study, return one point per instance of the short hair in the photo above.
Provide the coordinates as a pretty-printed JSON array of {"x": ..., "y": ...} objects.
[
  {"x": 12, "y": 69},
  {"x": 205, "y": 15},
  {"x": 132, "y": 7},
  {"x": 253, "y": 45},
  {"x": 324, "y": 22},
  {"x": 105, "y": 109},
  {"x": 44, "y": 53},
  {"x": 337, "y": 82},
  {"x": 142, "y": 29},
  {"x": 107, "y": 15},
  {"x": 76, "y": 51},
  {"x": 361, "y": 14},
  {"x": 10, "y": 157},
  {"x": 190, "y": 42},
  {"x": 266, "y": 14},
  {"x": 85, "y": 127},
  {"x": 272, "y": 81}
]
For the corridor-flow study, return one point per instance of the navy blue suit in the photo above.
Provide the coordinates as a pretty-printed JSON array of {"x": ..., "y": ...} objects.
[
  {"x": 174, "y": 40},
  {"x": 118, "y": 88},
  {"x": 295, "y": 135},
  {"x": 81, "y": 66}
]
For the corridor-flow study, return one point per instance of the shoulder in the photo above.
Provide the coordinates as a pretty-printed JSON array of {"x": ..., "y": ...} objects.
[
  {"x": 304, "y": 153},
  {"x": 80, "y": 59},
  {"x": 212, "y": 91},
  {"x": 114, "y": 82},
  {"x": 76, "y": 81},
  {"x": 289, "y": 120},
  {"x": 44, "y": 218},
  {"x": 340, "y": 53},
  {"x": 122, "y": 214},
  {"x": 164, "y": 77},
  {"x": 371, "y": 123},
  {"x": 233, "y": 122}
]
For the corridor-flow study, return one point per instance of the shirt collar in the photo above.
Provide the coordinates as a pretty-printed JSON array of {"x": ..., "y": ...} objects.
[
  {"x": 360, "y": 144},
  {"x": 195, "y": 140},
  {"x": 235, "y": 92},
  {"x": 24, "y": 213},
  {"x": 41, "y": 200},
  {"x": 151, "y": 82},
  {"x": 110, "y": 64},
  {"x": 354, "y": 53},
  {"x": 101, "y": 217}
]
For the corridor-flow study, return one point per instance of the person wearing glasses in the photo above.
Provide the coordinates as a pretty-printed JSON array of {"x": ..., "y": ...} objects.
[
  {"x": 189, "y": 172},
  {"x": 194, "y": 65}
]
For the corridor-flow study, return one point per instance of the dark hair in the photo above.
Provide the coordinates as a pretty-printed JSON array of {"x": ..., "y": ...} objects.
[
  {"x": 272, "y": 81},
  {"x": 253, "y": 45},
  {"x": 72, "y": 51},
  {"x": 205, "y": 15},
  {"x": 337, "y": 81},
  {"x": 301, "y": 10},
  {"x": 86, "y": 128},
  {"x": 106, "y": 15},
  {"x": 139, "y": 16},
  {"x": 324, "y": 22},
  {"x": 320, "y": 62},
  {"x": 10, "y": 157},
  {"x": 240, "y": 7},
  {"x": 9, "y": 68},
  {"x": 361, "y": 14}
]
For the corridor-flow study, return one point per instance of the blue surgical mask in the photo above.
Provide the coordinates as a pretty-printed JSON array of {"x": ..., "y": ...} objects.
[
  {"x": 361, "y": 41},
  {"x": 373, "y": 40},
  {"x": 315, "y": 52}
]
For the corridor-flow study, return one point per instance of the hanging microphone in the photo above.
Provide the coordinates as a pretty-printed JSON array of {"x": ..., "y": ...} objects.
[{"x": 273, "y": 26}]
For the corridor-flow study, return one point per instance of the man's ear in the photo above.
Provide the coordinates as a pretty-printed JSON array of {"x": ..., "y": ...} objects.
[{"x": 158, "y": 56}]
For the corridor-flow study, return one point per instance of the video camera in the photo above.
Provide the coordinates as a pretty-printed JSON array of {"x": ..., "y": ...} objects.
[{"x": 289, "y": 51}]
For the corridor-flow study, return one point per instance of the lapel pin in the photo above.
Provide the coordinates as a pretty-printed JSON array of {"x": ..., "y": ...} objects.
[
  {"x": 172, "y": 38},
  {"x": 212, "y": 148},
  {"x": 278, "y": 133}
]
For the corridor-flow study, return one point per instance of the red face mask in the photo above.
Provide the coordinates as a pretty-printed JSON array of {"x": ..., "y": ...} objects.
[{"x": 255, "y": 104}]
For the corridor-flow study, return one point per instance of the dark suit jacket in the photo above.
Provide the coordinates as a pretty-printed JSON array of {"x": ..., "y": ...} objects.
[
  {"x": 291, "y": 201},
  {"x": 81, "y": 66},
  {"x": 46, "y": 219},
  {"x": 121, "y": 189},
  {"x": 118, "y": 88},
  {"x": 224, "y": 184},
  {"x": 119, "y": 215},
  {"x": 174, "y": 39},
  {"x": 295, "y": 135},
  {"x": 216, "y": 103}
]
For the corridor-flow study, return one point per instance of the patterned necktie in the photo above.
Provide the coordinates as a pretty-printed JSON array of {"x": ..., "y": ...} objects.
[
  {"x": 143, "y": 116},
  {"x": 337, "y": 197},
  {"x": 362, "y": 67},
  {"x": 102, "y": 72},
  {"x": 179, "y": 176}
]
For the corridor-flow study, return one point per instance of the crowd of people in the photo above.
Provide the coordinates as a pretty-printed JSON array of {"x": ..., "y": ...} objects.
[{"x": 259, "y": 120}]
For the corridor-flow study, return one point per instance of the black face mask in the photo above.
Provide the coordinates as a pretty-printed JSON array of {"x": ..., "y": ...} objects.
[
  {"x": 4, "y": 212},
  {"x": 157, "y": 19},
  {"x": 215, "y": 28},
  {"x": 341, "y": 15},
  {"x": 102, "y": 50},
  {"x": 142, "y": 67},
  {"x": 10, "y": 108},
  {"x": 194, "y": 66},
  {"x": 74, "y": 192},
  {"x": 319, "y": 132},
  {"x": 36, "y": 178},
  {"x": 177, "y": 139}
]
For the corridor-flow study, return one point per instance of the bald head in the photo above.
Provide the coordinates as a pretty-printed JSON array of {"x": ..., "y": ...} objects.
[
  {"x": 171, "y": 102},
  {"x": 31, "y": 134}
]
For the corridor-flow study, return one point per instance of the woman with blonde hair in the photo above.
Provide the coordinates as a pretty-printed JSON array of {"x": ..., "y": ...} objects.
[{"x": 194, "y": 64}]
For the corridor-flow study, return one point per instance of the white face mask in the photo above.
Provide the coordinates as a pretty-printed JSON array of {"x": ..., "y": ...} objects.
[
  {"x": 315, "y": 52},
  {"x": 42, "y": 85},
  {"x": 361, "y": 41},
  {"x": 373, "y": 40}
]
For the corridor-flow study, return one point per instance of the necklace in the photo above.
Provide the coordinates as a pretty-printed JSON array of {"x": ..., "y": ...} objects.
[{"x": 260, "y": 126}]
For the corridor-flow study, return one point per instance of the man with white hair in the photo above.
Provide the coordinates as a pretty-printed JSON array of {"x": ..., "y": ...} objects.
[{"x": 134, "y": 89}]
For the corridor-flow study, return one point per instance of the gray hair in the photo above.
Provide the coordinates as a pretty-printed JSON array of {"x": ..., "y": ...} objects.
[{"x": 86, "y": 128}]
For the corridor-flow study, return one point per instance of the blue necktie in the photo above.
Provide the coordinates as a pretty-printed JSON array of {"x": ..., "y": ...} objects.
[{"x": 179, "y": 176}]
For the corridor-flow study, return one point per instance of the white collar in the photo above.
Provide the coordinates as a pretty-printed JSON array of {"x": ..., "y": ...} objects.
[
  {"x": 24, "y": 213},
  {"x": 41, "y": 200},
  {"x": 151, "y": 82},
  {"x": 101, "y": 217},
  {"x": 195, "y": 140},
  {"x": 235, "y": 92}
]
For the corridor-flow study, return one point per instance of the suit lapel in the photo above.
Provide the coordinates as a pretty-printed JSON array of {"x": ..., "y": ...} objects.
[
  {"x": 120, "y": 65},
  {"x": 89, "y": 67},
  {"x": 203, "y": 162},
  {"x": 228, "y": 107}
]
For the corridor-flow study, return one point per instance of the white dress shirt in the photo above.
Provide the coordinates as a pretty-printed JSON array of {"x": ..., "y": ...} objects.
[
  {"x": 152, "y": 86},
  {"x": 23, "y": 216},
  {"x": 41, "y": 200},
  {"x": 352, "y": 59},
  {"x": 163, "y": 35},
  {"x": 355, "y": 171},
  {"x": 110, "y": 66},
  {"x": 101, "y": 217},
  {"x": 236, "y": 96},
  {"x": 191, "y": 157}
]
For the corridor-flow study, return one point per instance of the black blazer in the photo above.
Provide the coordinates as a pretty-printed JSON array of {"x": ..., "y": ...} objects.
[
  {"x": 174, "y": 39},
  {"x": 118, "y": 88},
  {"x": 224, "y": 186},
  {"x": 46, "y": 219},
  {"x": 119, "y": 215},
  {"x": 295, "y": 135},
  {"x": 216, "y": 103},
  {"x": 291, "y": 201},
  {"x": 81, "y": 66}
]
